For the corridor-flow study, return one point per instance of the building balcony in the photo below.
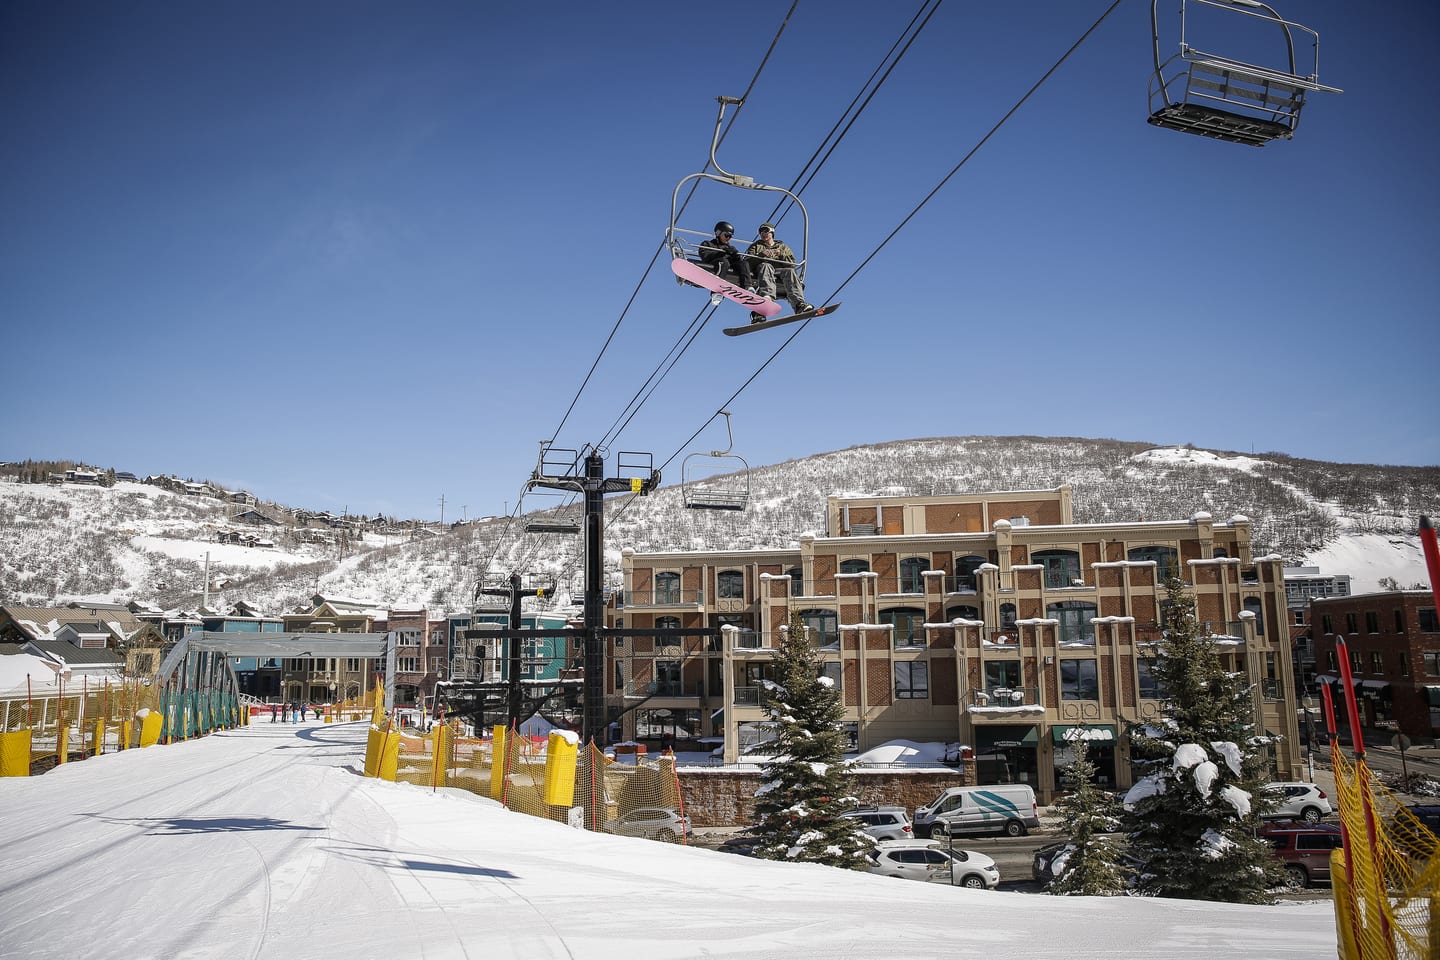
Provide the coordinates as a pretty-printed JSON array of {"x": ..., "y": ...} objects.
[
  {"x": 1003, "y": 701},
  {"x": 660, "y": 598}
]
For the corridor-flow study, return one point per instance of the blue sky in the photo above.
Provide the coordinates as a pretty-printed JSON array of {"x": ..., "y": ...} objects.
[{"x": 362, "y": 255}]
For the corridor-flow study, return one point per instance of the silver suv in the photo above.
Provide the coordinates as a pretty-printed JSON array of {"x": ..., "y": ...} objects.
[
  {"x": 1294, "y": 801},
  {"x": 883, "y": 823}
]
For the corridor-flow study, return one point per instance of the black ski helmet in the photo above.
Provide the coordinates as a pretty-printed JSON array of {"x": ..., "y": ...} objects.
[{"x": 724, "y": 226}]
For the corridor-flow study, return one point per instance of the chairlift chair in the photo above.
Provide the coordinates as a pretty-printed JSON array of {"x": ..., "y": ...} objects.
[
  {"x": 726, "y": 493},
  {"x": 684, "y": 242},
  {"x": 1226, "y": 98}
]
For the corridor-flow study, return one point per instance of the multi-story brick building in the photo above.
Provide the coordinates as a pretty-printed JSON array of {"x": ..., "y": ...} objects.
[
  {"x": 1393, "y": 640},
  {"x": 990, "y": 621},
  {"x": 1303, "y": 584}
]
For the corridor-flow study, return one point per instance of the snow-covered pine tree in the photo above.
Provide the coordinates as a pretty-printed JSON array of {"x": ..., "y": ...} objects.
[
  {"x": 1089, "y": 866},
  {"x": 806, "y": 784},
  {"x": 1190, "y": 816}
]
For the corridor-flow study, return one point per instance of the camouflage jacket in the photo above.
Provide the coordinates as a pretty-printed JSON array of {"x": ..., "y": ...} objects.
[{"x": 778, "y": 252}]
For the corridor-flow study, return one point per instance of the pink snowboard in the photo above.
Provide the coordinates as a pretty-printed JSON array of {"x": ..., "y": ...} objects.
[{"x": 698, "y": 275}]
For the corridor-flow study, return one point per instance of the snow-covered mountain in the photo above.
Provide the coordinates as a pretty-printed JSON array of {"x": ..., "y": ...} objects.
[{"x": 61, "y": 542}]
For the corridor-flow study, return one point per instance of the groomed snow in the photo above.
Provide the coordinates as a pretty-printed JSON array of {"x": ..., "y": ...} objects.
[{"x": 266, "y": 842}]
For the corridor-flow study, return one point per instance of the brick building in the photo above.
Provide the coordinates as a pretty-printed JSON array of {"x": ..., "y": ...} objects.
[
  {"x": 1393, "y": 640},
  {"x": 990, "y": 621}
]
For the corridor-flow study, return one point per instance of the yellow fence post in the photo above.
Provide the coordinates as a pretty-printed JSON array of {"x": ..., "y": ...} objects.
[
  {"x": 390, "y": 755},
  {"x": 561, "y": 754},
  {"x": 15, "y": 754},
  {"x": 125, "y": 735},
  {"x": 150, "y": 726},
  {"x": 497, "y": 764},
  {"x": 62, "y": 743},
  {"x": 372, "y": 752},
  {"x": 99, "y": 737}
]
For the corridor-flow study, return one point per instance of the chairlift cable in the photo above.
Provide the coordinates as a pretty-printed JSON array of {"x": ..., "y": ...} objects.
[{"x": 908, "y": 217}]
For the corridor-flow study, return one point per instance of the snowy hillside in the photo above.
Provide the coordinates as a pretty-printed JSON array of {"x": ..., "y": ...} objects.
[{"x": 68, "y": 541}]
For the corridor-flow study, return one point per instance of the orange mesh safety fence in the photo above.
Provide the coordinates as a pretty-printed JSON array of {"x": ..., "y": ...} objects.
[{"x": 1387, "y": 879}]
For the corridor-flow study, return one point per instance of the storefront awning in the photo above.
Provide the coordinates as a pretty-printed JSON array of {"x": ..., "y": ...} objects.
[
  {"x": 1003, "y": 737},
  {"x": 1097, "y": 733}
]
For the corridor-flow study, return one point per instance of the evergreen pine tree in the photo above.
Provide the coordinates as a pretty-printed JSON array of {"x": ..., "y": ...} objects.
[
  {"x": 807, "y": 784},
  {"x": 1090, "y": 865},
  {"x": 1191, "y": 814}
]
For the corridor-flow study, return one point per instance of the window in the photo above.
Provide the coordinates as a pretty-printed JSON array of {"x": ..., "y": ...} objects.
[
  {"x": 1432, "y": 663},
  {"x": 730, "y": 584},
  {"x": 1327, "y": 625},
  {"x": 1355, "y": 661},
  {"x": 407, "y": 664},
  {"x": 620, "y": 676},
  {"x": 667, "y": 623},
  {"x": 1004, "y": 674},
  {"x": 1007, "y": 616},
  {"x": 667, "y": 588},
  {"x": 1219, "y": 552},
  {"x": 854, "y": 566},
  {"x": 1252, "y": 604},
  {"x": 1074, "y": 617},
  {"x": 834, "y": 670},
  {"x": 962, "y": 612},
  {"x": 1404, "y": 664},
  {"x": 1427, "y": 620},
  {"x": 965, "y": 568},
  {"x": 797, "y": 581},
  {"x": 1372, "y": 621},
  {"x": 1151, "y": 686},
  {"x": 912, "y": 680},
  {"x": 823, "y": 626},
  {"x": 1350, "y": 622},
  {"x": 1062, "y": 567},
  {"x": 909, "y": 623},
  {"x": 912, "y": 570},
  {"x": 667, "y": 678},
  {"x": 1299, "y": 618},
  {"x": 1377, "y": 664},
  {"x": 1079, "y": 680},
  {"x": 1167, "y": 560},
  {"x": 1399, "y": 619}
]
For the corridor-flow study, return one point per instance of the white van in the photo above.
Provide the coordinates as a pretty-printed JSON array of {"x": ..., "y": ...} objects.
[{"x": 1007, "y": 808}]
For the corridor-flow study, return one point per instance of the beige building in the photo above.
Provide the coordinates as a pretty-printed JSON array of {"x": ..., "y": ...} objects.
[{"x": 991, "y": 622}]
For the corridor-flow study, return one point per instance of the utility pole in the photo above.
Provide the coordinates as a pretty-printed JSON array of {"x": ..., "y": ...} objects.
[
  {"x": 565, "y": 470},
  {"x": 442, "y": 509}
]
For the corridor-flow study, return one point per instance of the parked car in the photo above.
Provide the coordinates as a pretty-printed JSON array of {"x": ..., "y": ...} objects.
[
  {"x": 1295, "y": 801},
  {"x": 652, "y": 823},
  {"x": 1007, "y": 808},
  {"x": 1305, "y": 851},
  {"x": 928, "y": 860},
  {"x": 884, "y": 823}
]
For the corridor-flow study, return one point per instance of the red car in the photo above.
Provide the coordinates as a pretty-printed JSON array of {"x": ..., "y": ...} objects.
[{"x": 1305, "y": 851}]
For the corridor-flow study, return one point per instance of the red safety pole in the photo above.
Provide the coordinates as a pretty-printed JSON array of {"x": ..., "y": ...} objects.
[
  {"x": 1362, "y": 771},
  {"x": 1432, "y": 556}
]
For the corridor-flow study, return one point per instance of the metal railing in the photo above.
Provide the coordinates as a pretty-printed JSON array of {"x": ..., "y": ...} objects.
[
  {"x": 659, "y": 598},
  {"x": 1003, "y": 696}
]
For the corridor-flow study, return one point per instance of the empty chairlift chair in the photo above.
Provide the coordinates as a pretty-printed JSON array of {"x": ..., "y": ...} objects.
[
  {"x": 1225, "y": 97},
  {"x": 701, "y": 489}
]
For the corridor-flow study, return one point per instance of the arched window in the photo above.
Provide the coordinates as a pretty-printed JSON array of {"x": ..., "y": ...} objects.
[
  {"x": 667, "y": 588},
  {"x": 797, "y": 581},
  {"x": 1167, "y": 560},
  {"x": 1219, "y": 552},
  {"x": 962, "y": 612},
  {"x": 912, "y": 570},
  {"x": 965, "y": 568},
  {"x": 1074, "y": 617},
  {"x": 730, "y": 585},
  {"x": 1252, "y": 604},
  {"x": 1062, "y": 567},
  {"x": 854, "y": 566},
  {"x": 823, "y": 626},
  {"x": 667, "y": 623},
  {"x": 909, "y": 625}
]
